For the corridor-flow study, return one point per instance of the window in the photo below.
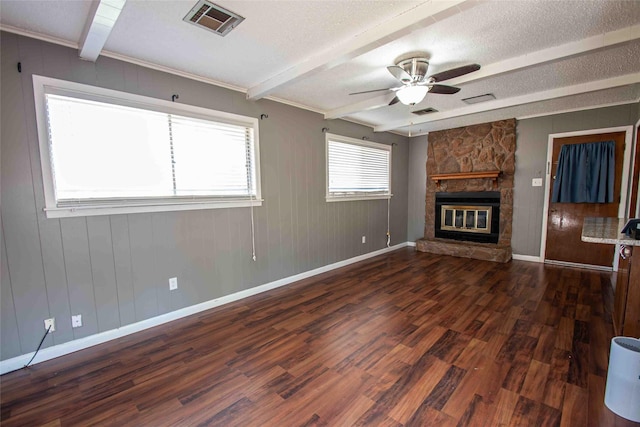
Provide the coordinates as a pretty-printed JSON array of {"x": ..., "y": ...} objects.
[
  {"x": 106, "y": 152},
  {"x": 357, "y": 170}
]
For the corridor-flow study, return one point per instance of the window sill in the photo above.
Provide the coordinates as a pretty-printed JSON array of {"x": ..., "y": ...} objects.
[
  {"x": 356, "y": 198},
  {"x": 79, "y": 211}
]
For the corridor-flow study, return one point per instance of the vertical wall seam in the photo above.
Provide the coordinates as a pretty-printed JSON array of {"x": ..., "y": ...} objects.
[
  {"x": 93, "y": 280},
  {"x": 64, "y": 264},
  {"x": 133, "y": 290},
  {"x": 368, "y": 247},
  {"x": 307, "y": 168},
  {"x": 25, "y": 115},
  {"x": 296, "y": 206},
  {"x": 13, "y": 300},
  {"x": 155, "y": 259},
  {"x": 279, "y": 168},
  {"x": 115, "y": 275},
  {"x": 33, "y": 185},
  {"x": 294, "y": 232}
]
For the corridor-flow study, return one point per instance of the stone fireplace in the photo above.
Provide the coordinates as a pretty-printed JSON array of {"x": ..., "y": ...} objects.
[{"x": 469, "y": 202}]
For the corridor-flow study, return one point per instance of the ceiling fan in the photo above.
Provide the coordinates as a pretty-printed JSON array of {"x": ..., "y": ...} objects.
[{"x": 412, "y": 73}]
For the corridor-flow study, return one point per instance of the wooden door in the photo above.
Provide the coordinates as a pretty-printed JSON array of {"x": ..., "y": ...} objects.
[
  {"x": 634, "y": 181},
  {"x": 564, "y": 222}
]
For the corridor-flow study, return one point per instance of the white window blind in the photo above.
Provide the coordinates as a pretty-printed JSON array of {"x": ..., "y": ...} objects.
[
  {"x": 104, "y": 152},
  {"x": 357, "y": 169}
]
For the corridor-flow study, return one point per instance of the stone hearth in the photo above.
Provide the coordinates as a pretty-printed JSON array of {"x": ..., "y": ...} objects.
[
  {"x": 483, "y": 251},
  {"x": 484, "y": 147}
]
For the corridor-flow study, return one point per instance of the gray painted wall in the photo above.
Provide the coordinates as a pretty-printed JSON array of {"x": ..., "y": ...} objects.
[
  {"x": 417, "y": 187},
  {"x": 531, "y": 155},
  {"x": 114, "y": 270}
]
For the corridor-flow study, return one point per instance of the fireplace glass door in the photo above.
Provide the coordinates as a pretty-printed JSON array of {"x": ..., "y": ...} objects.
[{"x": 471, "y": 219}]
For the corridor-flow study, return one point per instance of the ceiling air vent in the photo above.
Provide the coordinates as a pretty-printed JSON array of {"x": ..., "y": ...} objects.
[
  {"x": 480, "y": 98},
  {"x": 213, "y": 18},
  {"x": 425, "y": 111}
]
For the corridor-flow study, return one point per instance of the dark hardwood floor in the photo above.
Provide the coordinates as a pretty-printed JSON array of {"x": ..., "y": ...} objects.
[{"x": 406, "y": 338}]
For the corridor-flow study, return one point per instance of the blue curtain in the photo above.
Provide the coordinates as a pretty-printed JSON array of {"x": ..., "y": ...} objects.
[{"x": 586, "y": 173}]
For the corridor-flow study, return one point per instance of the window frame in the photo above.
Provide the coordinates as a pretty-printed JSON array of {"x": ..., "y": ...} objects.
[
  {"x": 47, "y": 85},
  {"x": 356, "y": 196}
]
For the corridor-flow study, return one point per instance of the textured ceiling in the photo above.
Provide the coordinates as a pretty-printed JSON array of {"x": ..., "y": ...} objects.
[
  {"x": 314, "y": 53},
  {"x": 273, "y": 37},
  {"x": 590, "y": 100}
]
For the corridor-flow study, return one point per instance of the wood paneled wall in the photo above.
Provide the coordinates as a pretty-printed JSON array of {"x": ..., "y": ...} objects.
[{"x": 114, "y": 270}]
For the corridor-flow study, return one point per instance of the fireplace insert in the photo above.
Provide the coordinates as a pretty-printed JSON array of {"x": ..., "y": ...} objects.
[{"x": 470, "y": 216}]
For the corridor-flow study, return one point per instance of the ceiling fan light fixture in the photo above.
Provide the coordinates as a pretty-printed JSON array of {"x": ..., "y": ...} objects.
[{"x": 411, "y": 95}]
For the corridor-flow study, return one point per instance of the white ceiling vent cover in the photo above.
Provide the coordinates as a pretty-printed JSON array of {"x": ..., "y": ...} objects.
[
  {"x": 213, "y": 18},
  {"x": 424, "y": 111},
  {"x": 480, "y": 98}
]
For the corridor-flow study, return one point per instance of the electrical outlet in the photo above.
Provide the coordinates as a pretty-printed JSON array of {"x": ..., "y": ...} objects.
[
  {"x": 364, "y": 239},
  {"x": 50, "y": 322},
  {"x": 173, "y": 283},
  {"x": 536, "y": 182},
  {"x": 76, "y": 321}
]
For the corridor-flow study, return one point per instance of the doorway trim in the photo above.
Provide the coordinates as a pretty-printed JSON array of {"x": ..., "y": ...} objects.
[
  {"x": 624, "y": 184},
  {"x": 632, "y": 162}
]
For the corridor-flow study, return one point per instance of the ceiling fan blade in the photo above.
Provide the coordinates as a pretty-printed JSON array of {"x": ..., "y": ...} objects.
[
  {"x": 395, "y": 100},
  {"x": 369, "y": 91},
  {"x": 444, "y": 89},
  {"x": 399, "y": 73},
  {"x": 455, "y": 72}
]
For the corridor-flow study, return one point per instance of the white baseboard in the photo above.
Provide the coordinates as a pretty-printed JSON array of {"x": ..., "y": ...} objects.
[
  {"x": 412, "y": 244},
  {"x": 576, "y": 265},
  {"x": 538, "y": 259},
  {"x": 530, "y": 258},
  {"x": 72, "y": 346}
]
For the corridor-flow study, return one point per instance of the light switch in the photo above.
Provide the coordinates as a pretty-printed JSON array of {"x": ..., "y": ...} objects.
[{"x": 536, "y": 182}]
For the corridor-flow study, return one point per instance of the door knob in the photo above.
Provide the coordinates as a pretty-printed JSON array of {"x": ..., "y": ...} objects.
[{"x": 625, "y": 252}]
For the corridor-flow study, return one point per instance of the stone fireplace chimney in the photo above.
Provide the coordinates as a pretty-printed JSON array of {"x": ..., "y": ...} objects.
[{"x": 462, "y": 153}]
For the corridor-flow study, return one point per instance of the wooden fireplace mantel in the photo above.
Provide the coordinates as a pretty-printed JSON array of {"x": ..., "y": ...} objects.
[{"x": 493, "y": 175}]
